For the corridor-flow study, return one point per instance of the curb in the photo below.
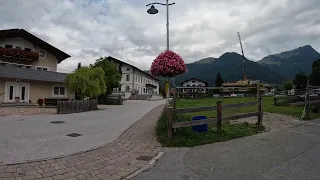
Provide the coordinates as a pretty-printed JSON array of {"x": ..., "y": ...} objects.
[{"x": 146, "y": 167}]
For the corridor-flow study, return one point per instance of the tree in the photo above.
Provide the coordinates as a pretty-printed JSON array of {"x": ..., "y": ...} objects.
[
  {"x": 79, "y": 65},
  {"x": 315, "y": 74},
  {"x": 87, "y": 81},
  {"x": 300, "y": 80},
  {"x": 288, "y": 85},
  {"x": 112, "y": 75},
  {"x": 219, "y": 80}
]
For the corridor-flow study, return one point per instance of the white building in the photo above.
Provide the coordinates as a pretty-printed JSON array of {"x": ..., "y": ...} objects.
[
  {"x": 135, "y": 80},
  {"x": 194, "y": 82}
]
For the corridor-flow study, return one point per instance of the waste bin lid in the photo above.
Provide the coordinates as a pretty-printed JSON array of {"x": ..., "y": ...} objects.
[{"x": 199, "y": 117}]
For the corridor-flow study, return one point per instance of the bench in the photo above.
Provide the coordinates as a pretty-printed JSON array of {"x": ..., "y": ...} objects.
[{"x": 53, "y": 101}]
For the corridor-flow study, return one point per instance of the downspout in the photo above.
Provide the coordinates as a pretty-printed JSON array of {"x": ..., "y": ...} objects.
[{"x": 133, "y": 79}]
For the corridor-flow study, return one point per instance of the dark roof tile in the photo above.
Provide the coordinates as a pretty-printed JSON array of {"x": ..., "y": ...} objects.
[{"x": 31, "y": 74}]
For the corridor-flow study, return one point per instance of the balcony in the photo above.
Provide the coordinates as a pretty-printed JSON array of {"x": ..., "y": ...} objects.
[{"x": 18, "y": 54}]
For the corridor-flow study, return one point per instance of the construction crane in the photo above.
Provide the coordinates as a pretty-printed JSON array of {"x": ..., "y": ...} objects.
[{"x": 243, "y": 59}]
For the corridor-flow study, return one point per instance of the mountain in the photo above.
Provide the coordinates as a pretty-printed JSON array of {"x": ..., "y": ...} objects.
[
  {"x": 230, "y": 66},
  {"x": 208, "y": 60},
  {"x": 289, "y": 63}
]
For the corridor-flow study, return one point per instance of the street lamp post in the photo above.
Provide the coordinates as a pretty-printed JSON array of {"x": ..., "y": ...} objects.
[{"x": 153, "y": 10}]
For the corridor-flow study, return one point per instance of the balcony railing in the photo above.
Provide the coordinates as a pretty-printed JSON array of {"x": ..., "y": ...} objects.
[{"x": 18, "y": 54}]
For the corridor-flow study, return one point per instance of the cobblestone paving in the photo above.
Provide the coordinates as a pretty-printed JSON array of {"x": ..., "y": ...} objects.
[{"x": 113, "y": 161}]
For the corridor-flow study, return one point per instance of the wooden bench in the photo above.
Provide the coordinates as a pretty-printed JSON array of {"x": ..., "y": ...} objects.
[{"x": 53, "y": 101}]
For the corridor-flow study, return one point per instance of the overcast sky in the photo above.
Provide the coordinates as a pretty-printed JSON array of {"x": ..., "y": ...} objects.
[{"x": 88, "y": 29}]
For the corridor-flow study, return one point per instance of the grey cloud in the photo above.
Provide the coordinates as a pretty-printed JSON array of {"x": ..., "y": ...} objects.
[{"x": 88, "y": 29}]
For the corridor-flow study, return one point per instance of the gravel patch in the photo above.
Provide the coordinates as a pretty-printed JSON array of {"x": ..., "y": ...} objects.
[{"x": 272, "y": 121}]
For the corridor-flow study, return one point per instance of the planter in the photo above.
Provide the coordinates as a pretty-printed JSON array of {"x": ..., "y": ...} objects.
[
  {"x": 18, "y": 54},
  {"x": 17, "y": 99}
]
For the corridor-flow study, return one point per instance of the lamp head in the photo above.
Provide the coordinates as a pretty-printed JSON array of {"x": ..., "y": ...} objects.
[{"x": 152, "y": 10}]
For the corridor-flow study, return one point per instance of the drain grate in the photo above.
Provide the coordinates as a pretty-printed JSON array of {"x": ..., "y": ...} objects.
[
  {"x": 144, "y": 158},
  {"x": 57, "y": 122},
  {"x": 74, "y": 135}
]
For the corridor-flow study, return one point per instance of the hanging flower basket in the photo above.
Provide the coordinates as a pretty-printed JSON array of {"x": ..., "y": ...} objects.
[
  {"x": 168, "y": 64},
  {"x": 18, "y": 54}
]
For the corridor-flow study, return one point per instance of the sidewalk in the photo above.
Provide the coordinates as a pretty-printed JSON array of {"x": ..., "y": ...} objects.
[{"x": 113, "y": 161}]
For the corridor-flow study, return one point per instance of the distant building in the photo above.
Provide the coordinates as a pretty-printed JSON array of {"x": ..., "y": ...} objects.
[
  {"x": 243, "y": 86},
  {"x": 194, "y": 82},
  {"x": 135, "y": 80}
]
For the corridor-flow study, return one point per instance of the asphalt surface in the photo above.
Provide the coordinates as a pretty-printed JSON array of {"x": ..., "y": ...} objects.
[
  {"x": 34, "y": 137},
  {"x": 293, "y": 153}
]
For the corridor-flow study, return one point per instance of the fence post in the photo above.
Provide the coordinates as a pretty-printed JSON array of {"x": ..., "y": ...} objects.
[
  {"x": 169, "y": 123},
  {"x": 219, "y": 115},
  {"x": 275, "y": 101},
  {"x": 58, "y": 107},
  {"x": 260, "y": 110},
  {"x": 308, "y": 101},
  {"x": 258, "y": 91},
  {"x": 174, "y": 98}
]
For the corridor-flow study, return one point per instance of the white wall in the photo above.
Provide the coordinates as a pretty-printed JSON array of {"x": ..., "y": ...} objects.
[
  {"x": 194, "y": 83},
  {"x": 137, "y": 80}
]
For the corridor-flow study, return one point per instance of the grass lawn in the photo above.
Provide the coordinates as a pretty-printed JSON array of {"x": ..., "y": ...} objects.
[
  {"x": 185, "y": 137},
  {"x": 267, "y": 106}
]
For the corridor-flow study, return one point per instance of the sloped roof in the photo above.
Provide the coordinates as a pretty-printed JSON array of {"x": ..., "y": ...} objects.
[
  {"x": 119, "y": 61},
  {"x": 31, "y": 74},
  {"x": 12, "y": 33},
  {"x": 205, "y": 82}
]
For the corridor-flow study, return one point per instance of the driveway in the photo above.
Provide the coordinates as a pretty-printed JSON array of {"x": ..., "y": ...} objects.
[
  {"x": 34, "y": 137},
  {"x": 293, "y": 153}
]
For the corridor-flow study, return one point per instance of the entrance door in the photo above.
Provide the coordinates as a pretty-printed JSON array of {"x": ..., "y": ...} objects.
[
  {"x": 11, "y": 92},
  {"x": 20, "y": 90},
  {"x": 24, "y": 93}
]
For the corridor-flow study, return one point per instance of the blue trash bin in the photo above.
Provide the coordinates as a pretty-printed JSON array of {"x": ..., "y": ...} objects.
[{"x": 200, "y": 128}]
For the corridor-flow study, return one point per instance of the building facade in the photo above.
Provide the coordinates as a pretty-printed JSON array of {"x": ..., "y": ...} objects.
[
  {"x": 135, "y": 80},
  {"x": 194, "y": 85},
  {"x": 28, "y": 68}
]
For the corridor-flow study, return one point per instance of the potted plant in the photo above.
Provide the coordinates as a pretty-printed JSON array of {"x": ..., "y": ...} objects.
[
  {"x": 17, "y": 99},
  {"x": 40, "y": 101}
]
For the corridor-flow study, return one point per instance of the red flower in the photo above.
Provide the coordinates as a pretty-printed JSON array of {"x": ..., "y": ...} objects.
[
  {"x": 18, "y": 54},
  {"x": 168, "y": 64}
]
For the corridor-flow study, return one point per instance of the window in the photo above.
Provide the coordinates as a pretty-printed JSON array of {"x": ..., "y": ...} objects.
[
  {"x": 18, "y": 47},
  {"x": 42, "y": 53},
  {"x": 128, "y": 77},
  {"x": 128, "y": 69},
  {"x": 141, "y": 80},
  {"x": 193, "y": 81},
  {"x": 59, "y": 91},
  {"x": 127, "y": 88},
  {"x": 8, "y": 46},
  {"x": 136, "y": 77},
  {"x": 27, "y": 49}
]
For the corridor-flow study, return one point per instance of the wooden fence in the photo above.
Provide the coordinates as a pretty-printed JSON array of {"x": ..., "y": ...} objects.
[
  {"x": 171, "y": 112},
  {"x": 75, "y": 106}
]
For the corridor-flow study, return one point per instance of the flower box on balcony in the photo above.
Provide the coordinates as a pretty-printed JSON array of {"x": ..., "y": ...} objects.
[{"x": 18, "y": 54}]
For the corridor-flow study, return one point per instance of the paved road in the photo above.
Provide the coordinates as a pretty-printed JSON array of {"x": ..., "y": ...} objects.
[
  {"x": 293, "y": 153},
  {"x": 34, "y": 137}
]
